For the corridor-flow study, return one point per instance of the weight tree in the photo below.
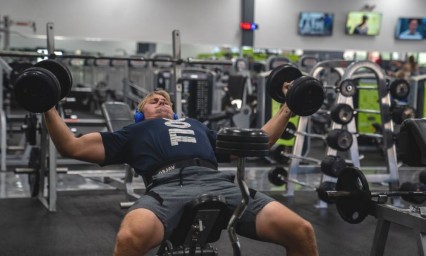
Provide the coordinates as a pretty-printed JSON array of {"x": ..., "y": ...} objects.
[{"x": 387, "y": 125}]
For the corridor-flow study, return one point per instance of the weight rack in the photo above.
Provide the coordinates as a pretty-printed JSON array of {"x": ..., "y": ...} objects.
[{"x": 387, "y": 127}]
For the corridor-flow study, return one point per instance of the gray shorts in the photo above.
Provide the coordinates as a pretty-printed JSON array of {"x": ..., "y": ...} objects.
[{"x": 172, "y": 191}]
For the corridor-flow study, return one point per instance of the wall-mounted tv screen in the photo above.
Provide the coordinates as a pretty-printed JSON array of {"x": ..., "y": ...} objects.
[
  {"x": 315, "y": 23},
  {"x": 411, "y": 28},
  {"x": 363, "y": 23}
]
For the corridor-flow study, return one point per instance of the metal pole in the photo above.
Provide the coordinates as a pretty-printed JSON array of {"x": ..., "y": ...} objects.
[
  {"x": 177, "y": 72},
  {"x": 6, "y": 23},
  {"x": 50, "y": 40},
  {"x": 240, "y": 208}
]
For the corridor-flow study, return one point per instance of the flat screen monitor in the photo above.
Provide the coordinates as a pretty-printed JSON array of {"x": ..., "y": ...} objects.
[
  {"x": 315, "y": 23},
  {"x": 411, "y": 28},
  {"x": 363, "y": 23}
]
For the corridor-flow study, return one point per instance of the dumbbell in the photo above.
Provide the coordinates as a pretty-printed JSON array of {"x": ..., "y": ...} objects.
[
  {"x": 241, "y": 143},
  {"x": 418, "y": 186},
  {"x": 398, "y": 88},
  {"x": 39, "y": 88},
  {"x": 305, "y": 94},
  {"x": 343, "y": 113},
  {"x": 338, "y": 139},
  {"x": 400, "y": 113},
  {"x": 333, "y": 165},
  {"x": 278, "y": 176}
]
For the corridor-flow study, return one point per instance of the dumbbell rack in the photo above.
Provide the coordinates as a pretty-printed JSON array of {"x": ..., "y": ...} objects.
[
  {"x": 304, "y": 122},
  {"x": 387, "y": 131}
]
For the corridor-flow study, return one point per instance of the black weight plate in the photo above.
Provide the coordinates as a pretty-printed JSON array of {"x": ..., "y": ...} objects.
[
  {"x": 305, "y": 96},
  {"x": 342, "y": 114},
  {"x": 347, "y": 88},
  {"x": 242, "y": 152},
  {"x": 276, "y": 79},
  {"x": 248, "y": 135},
  {"x": 399, "y": 89},
  {"x": 356, "y": 207},
  {"x": 37, "y": 90},
  {"x": 242, "y": 145},
  {"x": 289, "y": 131},
  {"x": 61, "y": 72},
  {"x": 332, "y": 165},
  {"x": 278, "y": 176},
  {"x": 321, "y": 191}
]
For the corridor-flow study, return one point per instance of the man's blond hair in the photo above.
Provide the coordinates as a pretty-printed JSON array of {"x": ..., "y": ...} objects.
[{"x": 145, "y": 99}]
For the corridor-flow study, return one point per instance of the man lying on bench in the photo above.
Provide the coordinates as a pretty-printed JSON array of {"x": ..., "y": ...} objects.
[{"x": 177, "y": 158}]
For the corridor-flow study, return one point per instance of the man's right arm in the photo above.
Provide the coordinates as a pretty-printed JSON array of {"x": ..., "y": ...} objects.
[{"x": 88, "y": 147}]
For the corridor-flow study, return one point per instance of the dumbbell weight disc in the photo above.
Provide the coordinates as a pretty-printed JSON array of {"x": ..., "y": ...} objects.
[
  {"x": 415, "y": 199},
  {"x": 289, "y": 131},
  {"x": 342, "y": 114},
  {"x": 277, "y": 78},
  {"x": 339, "y": 139},
  {"x": 399, "y": 89},
  {"x": 400, "y": 113},
  {"x": 278, "y": 176},
  {"x": 37, "y": 90},
  {"x": 305, "y": 96},
  {"x": 17, "y": 69},
  {"x": 332, "y": 165},
  {"x": 278, "y": 154},
  {"x": 347, "y": 88},
  {"x": 61, "y": 72}
]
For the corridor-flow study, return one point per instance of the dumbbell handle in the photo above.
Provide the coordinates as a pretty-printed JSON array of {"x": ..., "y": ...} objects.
[{"x": 312, "y": 135}]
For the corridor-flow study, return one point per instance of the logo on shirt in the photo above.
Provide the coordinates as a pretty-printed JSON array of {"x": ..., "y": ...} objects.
[{"x": 179, "y": 132}]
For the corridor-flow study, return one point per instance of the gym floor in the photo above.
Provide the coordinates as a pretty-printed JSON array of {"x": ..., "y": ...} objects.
[{"x": 88, "y": 216}]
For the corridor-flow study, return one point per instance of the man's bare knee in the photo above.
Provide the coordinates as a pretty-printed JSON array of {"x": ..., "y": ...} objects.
[
  {"x": 140, "y": 231},
  {"x": 276, "y": 223}
]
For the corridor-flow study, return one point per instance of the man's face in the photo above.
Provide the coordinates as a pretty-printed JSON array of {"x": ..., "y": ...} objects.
[
  {"x": 157, "y": 107},
  {"x": 413, "y": 26}
]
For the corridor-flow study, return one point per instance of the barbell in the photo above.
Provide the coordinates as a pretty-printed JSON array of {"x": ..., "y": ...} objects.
[{"x": 354, "y": 199}]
